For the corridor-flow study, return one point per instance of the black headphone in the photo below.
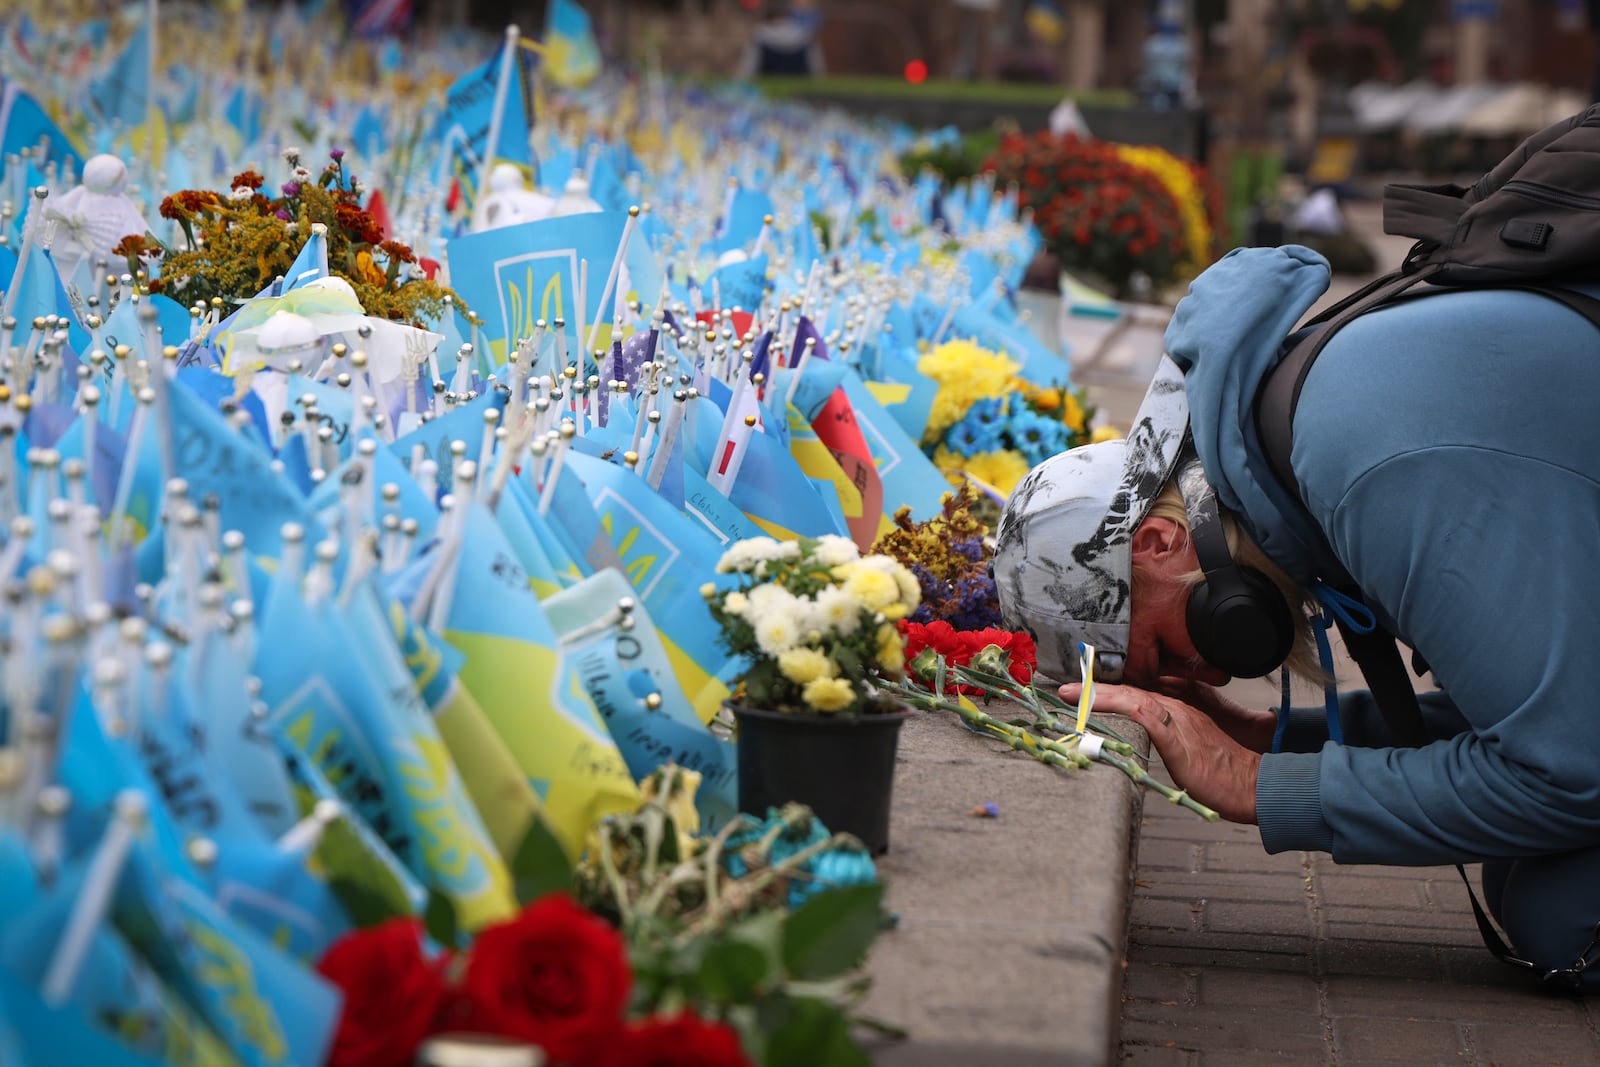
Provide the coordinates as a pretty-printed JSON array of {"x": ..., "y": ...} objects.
[{"x": 1238, "y": 620}]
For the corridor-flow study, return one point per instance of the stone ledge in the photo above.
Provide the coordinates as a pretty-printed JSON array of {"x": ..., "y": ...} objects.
[{"x": 1012, "y": 931}]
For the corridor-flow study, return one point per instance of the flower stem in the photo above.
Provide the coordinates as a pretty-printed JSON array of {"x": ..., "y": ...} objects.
[
  {"x": 1117, "y": 753},
  {"x": 1178, "y": 796}
]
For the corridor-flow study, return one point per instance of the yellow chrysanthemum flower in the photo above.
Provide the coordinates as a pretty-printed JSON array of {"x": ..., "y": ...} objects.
[
  {"x": 875, "y": 589},
  {"x": 1001, "y": 470},
  {"x": 1072, "y": 414},
  {"x": 966, "y": 374},
  {"x": 828, "y": 694},
  {"x": 805, "y": 665},
  {"x": 1104, "y": 433},
  {"x": 891, "y": 650}
]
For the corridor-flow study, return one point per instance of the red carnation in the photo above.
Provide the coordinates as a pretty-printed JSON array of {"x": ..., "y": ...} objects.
[{"x": 959, "y": 646}]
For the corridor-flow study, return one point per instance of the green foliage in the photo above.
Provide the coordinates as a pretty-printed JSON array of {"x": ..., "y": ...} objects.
[
  {"x": 709, "y": 928},
  {"x": 830, "y": 934},
  {"x": 441, "y": 921},
  {"x": 540, "y": 865},
  {"x": 365, "y": 885},
  {"x": 954, "y": 162}
]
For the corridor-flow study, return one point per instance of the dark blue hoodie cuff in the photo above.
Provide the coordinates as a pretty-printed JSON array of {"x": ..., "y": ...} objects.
[
  {"x": 1307, "y": 731},
  {"x": 1289, "y": 803}
]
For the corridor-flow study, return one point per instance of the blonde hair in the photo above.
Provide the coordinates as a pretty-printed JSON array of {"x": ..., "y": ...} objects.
[{"x": 1303, "y": 662}]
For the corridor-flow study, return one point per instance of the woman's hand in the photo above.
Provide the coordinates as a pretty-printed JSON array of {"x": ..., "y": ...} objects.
[{"x": 1214, "y": 768}]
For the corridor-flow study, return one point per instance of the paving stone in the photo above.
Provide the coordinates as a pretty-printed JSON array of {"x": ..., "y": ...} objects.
[
  {"x": 1248, "y": 855},
  {"x": 1158, "y": 855},
  {"x": 1221, "y": 885},
  {"x": 1223, "y": 989},
  {"x": 1380, "y": 957},
  {"x": 1228, "y": 916},
  {"x": 1156, "y": 1056},
  {"x": 1388, "y": 1037},
  {"x": 1391, "y": 928},
  {"x": 1172, "y": 914},
  {"x": 1514, "y": 1043},
  {"x": 1164, "y": 985},
  {"x": 1283, "y": 1033},
  {"x": 1229, "y": 943},
  {"x": 1364, "y": 892},
  {"x": 1184, "y": 952},
  {"x": 1260, "y": 1057}
]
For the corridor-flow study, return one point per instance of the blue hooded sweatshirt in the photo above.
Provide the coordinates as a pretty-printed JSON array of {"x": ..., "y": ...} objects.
[{"x": 1448, "y": 454}]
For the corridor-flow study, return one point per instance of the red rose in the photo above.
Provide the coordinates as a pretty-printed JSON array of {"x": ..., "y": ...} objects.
[
  {"x": 555, "y": 976},
  {"x": 392, "y": 994},
  {"x": 684, "y": 1041}
]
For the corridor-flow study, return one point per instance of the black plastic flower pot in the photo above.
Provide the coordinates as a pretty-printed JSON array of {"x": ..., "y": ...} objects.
[{"x": 841, "y": 767}]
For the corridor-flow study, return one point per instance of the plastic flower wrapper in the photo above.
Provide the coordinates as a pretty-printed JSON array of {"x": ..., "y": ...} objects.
[{"x": 814, "y": 623}]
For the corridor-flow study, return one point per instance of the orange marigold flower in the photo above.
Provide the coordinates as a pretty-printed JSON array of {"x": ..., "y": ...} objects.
[
  {"x": 357, "y": 223},
  {"x": 249, "y": 179},
  {"x": 130, "y": 245},
  {"x": 192, "y": 201},
  {"x": 396, "y": 250}
]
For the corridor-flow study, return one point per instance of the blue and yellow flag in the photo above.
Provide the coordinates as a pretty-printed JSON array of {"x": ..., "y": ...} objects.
[
  {"x": 513, "y": 276},
  {"x": 341, "y": 695},
  {"x": 666, "y": 556},
  {"x": 529, "y": 691},
  {"x": 572, "y": 57},
  {"x": 461, "y": 133}
]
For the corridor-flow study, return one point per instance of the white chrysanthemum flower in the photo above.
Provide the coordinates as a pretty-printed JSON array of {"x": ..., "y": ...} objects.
[
  {"x": 241, "y": 192},
  {"x": 771, "y": 599},
  {"x": 291, "y": 155},
  {"x": 776, "y": 634},
  {"x": 736, "y": 560},
  {"x": 833, "y": 550},
  {"x": 301, "y": 174},
  {"x": 743, "y": 556},
  {"x": 838, "y": 610},
  {"x": 736, "y": 603}
]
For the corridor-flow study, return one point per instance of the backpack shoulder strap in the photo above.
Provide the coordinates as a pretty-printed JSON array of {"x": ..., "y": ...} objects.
[
  {"x": 1583, "y": 304},
  {"x": 1279, "y": 394}
]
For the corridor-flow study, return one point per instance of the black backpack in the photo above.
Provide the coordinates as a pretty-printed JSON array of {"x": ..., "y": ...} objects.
[{"x": 1531, "y": 223}]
